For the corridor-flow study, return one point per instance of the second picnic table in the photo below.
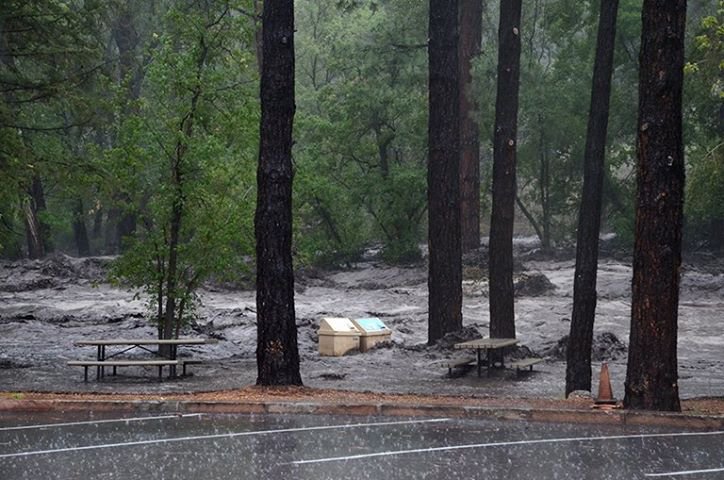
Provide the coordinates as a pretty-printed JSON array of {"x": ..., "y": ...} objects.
[{"x": 486, "y": 344}]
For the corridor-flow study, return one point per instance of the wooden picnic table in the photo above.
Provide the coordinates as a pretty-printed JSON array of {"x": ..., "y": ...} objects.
[
  {"x": 103, "y": 359},
  {"x": 486, "y": 344}
]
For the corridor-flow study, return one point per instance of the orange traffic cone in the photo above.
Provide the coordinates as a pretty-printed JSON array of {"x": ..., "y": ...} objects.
[{"x": 605, "y": 393}]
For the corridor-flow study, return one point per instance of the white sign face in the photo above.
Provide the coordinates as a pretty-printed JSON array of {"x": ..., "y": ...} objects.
[{"x": 338, "y": 324}]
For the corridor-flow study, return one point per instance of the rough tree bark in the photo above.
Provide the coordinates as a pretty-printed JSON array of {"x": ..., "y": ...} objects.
[
  {"x": 471, "y": 25},
  {"x": 652, "y": 376},
  {"x": 277, "y": 352},
  {"x": 578, "y": 361},
  {"x": 502, "y": 316},
  {"x": 443, "y": 174}
]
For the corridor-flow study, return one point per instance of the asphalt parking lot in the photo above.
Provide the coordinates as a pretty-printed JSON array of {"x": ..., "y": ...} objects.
[{"x": 172, "y": 446}]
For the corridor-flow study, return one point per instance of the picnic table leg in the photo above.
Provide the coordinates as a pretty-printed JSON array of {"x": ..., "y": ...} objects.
[
  {"x": 99, "y": 357},
  {"x": 172, "y": 368},
  {"x": 487, "y": 356},
  {"x": 479, "y": 363},
  {"x": 103, "y": 357}
]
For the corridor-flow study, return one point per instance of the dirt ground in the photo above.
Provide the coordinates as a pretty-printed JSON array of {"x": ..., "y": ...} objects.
[{"x": 46, "y": 306}]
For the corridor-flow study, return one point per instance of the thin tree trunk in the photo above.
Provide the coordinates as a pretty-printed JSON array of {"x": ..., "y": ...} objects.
[
  {"x": 277, "y": 352},
  {"x": 127, "y": 41},
  {"x": 578, "y": 361},
  {"x": 126, "y": 226},
  {"x": 171, "y": 281},
  {"x": 529, "y": 216},
  {"x": 502, "y": 316},
  {"x": 160, "y": 269},
  {"x": 80, "y": 232},
  {"x": 383, "y": 141},
  {"x": 37, "y": 232},
  {"x": 97, "y": 223},
  {"x": 443, "y": 177},
  {"x": 652, "y": 371},
  {"x": 170, "y": 318},
  {"x": 545, "y": 184},
  {"x": 186, "y": 128},
  {"x": 111, "y": 242},
  {"x": 258, "y": 33},
  {"x": 131, "y": 74},
  {"x": 33, "y": 237},
  {"x": 471, "y": 21}
]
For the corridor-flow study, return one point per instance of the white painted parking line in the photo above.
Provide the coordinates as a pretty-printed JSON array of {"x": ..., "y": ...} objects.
[
  {"x": 93, "y": 422},
  {"x": 684, "y": 472},
  {"x": 222, "y": 435},
  {"x": 501, "y": 444}
]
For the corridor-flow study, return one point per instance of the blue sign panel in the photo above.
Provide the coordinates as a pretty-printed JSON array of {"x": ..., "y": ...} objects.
[{"x": 371, "y": 324}]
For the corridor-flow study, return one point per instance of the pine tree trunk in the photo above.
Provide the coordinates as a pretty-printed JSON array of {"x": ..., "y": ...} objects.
[
  {"x": 471, "y": 25},
  {"x": 652, "y": 376},
  {"x": 501, "y": 297},
  {"x": 277, "y": 351},
  {"x": 443, "y": 177},
  {"x": 578, "y": 361}
]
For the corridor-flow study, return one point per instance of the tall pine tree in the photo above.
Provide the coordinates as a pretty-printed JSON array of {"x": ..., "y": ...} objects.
[
  {"x": 471, "y": 24},
  {"x": 502, "y": 316},
  {"x": 578, "y": 362},
  {"x": 277, "y": 352},
  {"x": 651, "y": 375},
  {"x": 443, "y": 177}
]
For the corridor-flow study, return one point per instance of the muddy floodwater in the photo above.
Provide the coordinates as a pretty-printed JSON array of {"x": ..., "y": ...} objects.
[{"x": 46, "y": 306}]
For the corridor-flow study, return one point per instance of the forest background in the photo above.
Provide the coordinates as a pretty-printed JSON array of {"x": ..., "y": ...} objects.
[{"x": 122, "y": 122}]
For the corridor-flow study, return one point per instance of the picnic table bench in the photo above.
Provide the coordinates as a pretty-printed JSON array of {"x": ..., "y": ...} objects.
[
  {"x": 487, "y": 345},
  {"x": 523, "y": 363},
  {"x": 103, "y": 360},
  {"x": 456, "y": 363},
  {"x": 124, "y": 363}
]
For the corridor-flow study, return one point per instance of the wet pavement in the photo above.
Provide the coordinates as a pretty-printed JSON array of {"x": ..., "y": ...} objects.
[{"x": 263, "y": 447}]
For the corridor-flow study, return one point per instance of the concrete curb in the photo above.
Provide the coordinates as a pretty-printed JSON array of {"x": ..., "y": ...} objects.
[{"x": 600, "y": 417}]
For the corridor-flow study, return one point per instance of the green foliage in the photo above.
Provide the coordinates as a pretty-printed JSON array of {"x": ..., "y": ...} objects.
[
  {"x": 48, "y": 54},
  {"x": 553, "y": 113},
  {"x": 360, "y": 128},
  {"x": 187, "y": 157},
  {"x": 704, "y": 102},
  {"x": 105, "y": 135},
  {"x": 705, "y": 198}
]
